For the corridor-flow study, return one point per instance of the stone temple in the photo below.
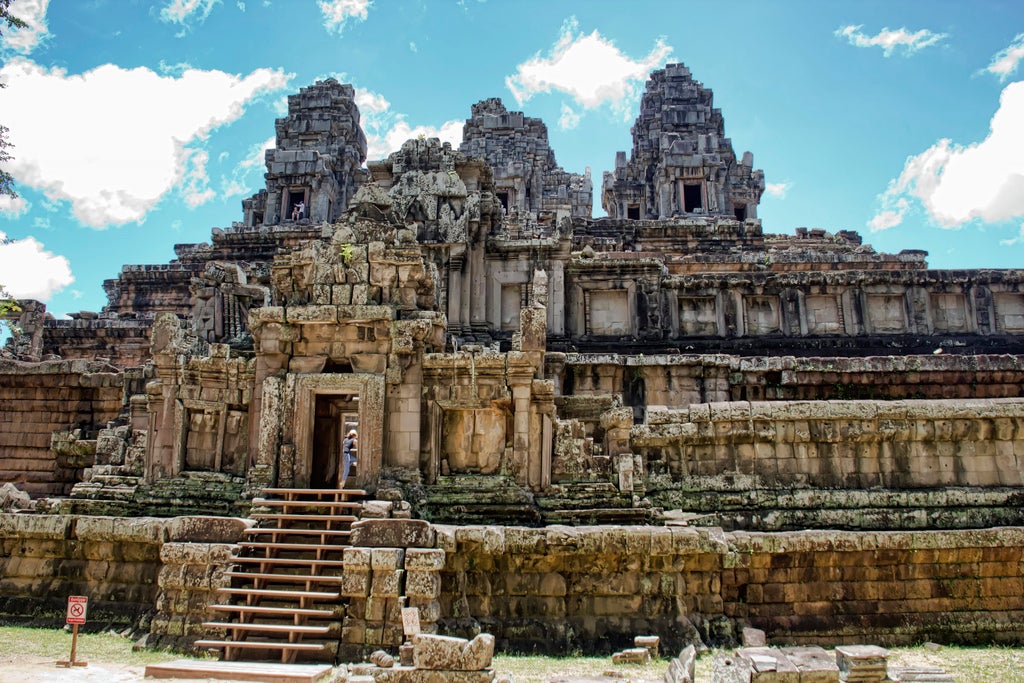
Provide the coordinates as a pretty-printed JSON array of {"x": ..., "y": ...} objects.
[{"x": 572, "y": 430}]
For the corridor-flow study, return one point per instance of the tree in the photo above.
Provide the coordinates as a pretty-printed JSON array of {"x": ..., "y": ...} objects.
[{"x": 6, "y": 181}]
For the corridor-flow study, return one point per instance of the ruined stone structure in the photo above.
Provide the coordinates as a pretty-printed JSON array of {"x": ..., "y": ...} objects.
[{"x": 513, "y": 362}]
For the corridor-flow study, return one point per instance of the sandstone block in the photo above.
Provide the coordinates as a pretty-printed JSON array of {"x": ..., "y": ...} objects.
[
  {"x": 445, "y": 653},
  {"x": 634, "y": 655},
  {"x": 207, "y": 529},
  {"x": 386, "y": 583},
  {"x": 424, "y": 559},
  {"x": 422, "y": 584},
  {"x": 754, "y": 637},
  {"x": 731, "y": 669},
  {"x": 392, "y": 533},
  {"x": 386, "y": 558},
  {"x": 816, "y": 665},
  {"x": 355, "y": 584},
  {"x": 356, "y": 558}
]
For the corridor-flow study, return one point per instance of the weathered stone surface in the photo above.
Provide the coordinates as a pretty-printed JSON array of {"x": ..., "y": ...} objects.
[
  {"x": 729, "y": 668},
  {"x": 512, "y": 363},
  {"x": 816, "y": 664},
  {"x": 681, "y": 668},
  {"x": 444, "y": 653},
  {"x": 754, "y": 637},
  {"x": 392, "y": 533},
  {"x": 207, "y": 529},
  {"x": 635, "y": 655},
  {"x": 770, "y": 665},
  {"x": 12, "y": 498}
]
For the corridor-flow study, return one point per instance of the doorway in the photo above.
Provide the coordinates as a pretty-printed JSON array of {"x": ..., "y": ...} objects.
[{"x": 335, "y": 416}]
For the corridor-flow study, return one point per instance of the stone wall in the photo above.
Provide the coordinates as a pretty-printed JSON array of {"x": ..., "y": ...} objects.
[
  {"x": 192, "y": 566},
  {"x": 555, "y": 589},
  {"x": 840, "y": 444},
  {"x": 140, "y": 573},
  {"x": 38, "y": 399},
  {"x": 113, "y": 561},
  {"x": 560, "y": 589}
]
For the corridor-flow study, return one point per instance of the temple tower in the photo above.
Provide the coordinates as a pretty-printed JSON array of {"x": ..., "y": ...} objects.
[
  {"x": 681, "y": 162},
  {"x": 316, "y": 162},
  {"x": 527, "y": 178}
]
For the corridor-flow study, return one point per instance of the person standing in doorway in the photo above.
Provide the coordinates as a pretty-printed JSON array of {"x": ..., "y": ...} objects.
[{"x": 348, "y": 456}]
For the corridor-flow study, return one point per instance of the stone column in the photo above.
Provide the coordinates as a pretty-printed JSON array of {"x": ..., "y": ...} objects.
[
  {"x": 478, "y": 289},
  {"x": 556, "y": 298},
  {"x": 455, "y": 262},
  {"x": 521, "y": 431}
]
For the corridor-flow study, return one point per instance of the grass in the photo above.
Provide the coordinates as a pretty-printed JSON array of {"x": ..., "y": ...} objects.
[
  {"x": 56, "y": 643},
  {"x": 966, "y": 664}
]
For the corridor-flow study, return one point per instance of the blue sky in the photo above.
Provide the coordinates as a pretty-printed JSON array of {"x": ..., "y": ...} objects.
[{"x": 139, "y": 125}]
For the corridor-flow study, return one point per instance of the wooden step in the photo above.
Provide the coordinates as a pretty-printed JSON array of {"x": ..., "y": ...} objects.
[
  {"x": 269, "y": 628},
  {"x": 283, "y": 612},
  {"x": 293, "y": 547},
  {"x": 260, "y": 672},
  {"x": 304, "y": 517},
  {"x": 290, "y": 494},
  {"x": 285, "y": 578},
  {"x": 333, "y": 504},
  {"x": 298, "y": 532},
  {"x": 289, "y": 562},
  {"x": 261, "y": 645},
  {"x": 280, "y": 594}
]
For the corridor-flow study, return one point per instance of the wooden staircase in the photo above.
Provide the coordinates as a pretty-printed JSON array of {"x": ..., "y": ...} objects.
[{"x": 284, "y": 592}]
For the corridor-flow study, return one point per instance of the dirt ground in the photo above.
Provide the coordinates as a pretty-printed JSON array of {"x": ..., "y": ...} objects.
[{"x": 34, "y": 669}]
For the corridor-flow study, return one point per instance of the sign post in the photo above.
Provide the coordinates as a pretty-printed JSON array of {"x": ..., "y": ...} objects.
[{"x": 77, "y": 607}]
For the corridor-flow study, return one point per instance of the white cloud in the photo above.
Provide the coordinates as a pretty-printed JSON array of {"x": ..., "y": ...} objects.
[
  {"x": 338, "y": 12},
  {"x": 240, "y": 5},
  {"x": 379, "y": 146},
  {"x": 1019, "y": 239},
  {"x": 569, "y": 118},
  {"x": 412, "y": 47},
  {"x": 386, "y": 130},
  {"x": 889, "y": 40},
  {"x": 777, "y": 189},
  {"x": 196, "y": 189},
  {"x": 187, "y": 12},
  {"x": 255, "y": 159},
  {"x": 13, "y": 208},
  {"x": 589, "y": 68},
  {"x": 31, "y": 272},
  {"x": 33, "y": 13},
  {"x": 173, "y": 69},
  {"x": 957, "y": 184},
  {"x": 124, "y": 138},
  {"x": 1005, "y": 62}
]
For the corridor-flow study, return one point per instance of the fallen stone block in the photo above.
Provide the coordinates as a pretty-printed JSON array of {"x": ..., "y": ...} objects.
[
  {"x": 634, "y": 655},
  {"x": 445, "y": 653}
]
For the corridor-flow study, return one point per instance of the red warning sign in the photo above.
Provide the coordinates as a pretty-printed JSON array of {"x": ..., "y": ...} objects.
[{"x": 77, "y": 607}]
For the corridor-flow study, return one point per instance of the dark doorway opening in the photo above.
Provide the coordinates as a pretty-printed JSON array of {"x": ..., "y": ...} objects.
[
  {"x": 503, "y": 198},
  {"x": 335, "y": 416},
  {"x": 633, "y": 212},
  {"x": 692, "y": 199},
  {"x": 296, "y": 197},
  {"x": 740, "y": 212}
]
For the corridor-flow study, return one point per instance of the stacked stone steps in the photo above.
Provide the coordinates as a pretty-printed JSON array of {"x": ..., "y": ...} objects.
[
  {"x": 585, "y": 503},
  {"x": 480, "y": 499},
  {"x": 284, "y": 601}
]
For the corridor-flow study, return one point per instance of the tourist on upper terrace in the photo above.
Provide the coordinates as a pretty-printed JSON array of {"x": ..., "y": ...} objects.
[{"x": 348, "y": 456}]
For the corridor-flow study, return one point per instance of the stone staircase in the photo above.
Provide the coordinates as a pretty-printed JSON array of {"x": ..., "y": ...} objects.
[
  {"x": 492, "y": 499},
  {"x": 284, "y": 598},
  {"x": 479, "y": 499},
  {"x": 586, "y": 503}
]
